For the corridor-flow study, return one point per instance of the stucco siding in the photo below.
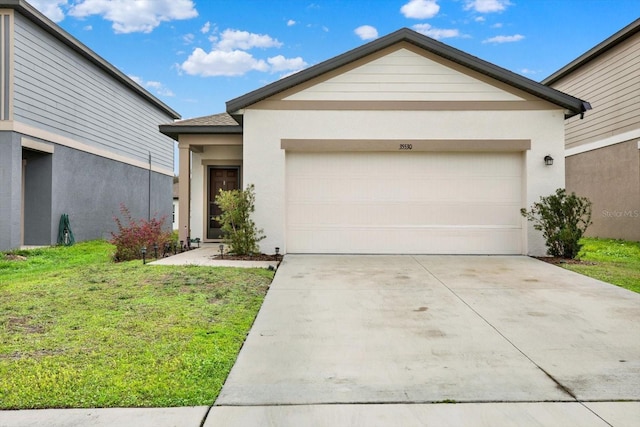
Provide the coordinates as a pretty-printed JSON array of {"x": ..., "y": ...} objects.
[
  {"x": 10, "y": 190},
  {"x": 57, "y": 90},
  {"x": 402, "y": 75},
  {"x": 264, "y": 160},
  {"x": 80, "y": 190},
  {"x": 610, "y": 178},
  {"x": 611, "y": 83}
]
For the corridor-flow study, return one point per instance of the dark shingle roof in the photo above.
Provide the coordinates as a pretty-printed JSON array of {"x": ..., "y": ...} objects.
[
  {"x": 574, "y": 105},
  {"x": 596, "y": 51},
  {"x": 221, "y": 123}
]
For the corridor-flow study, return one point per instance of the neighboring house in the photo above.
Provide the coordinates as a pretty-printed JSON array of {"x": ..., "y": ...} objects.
[
  {"x": 403, "y": 145},
  {"x": 77, "y": 136},
  {"x": 176, "y": 210},
  {"x": 603, "y": 151}
]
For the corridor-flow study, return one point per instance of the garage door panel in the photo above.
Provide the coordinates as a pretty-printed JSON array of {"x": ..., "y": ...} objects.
[
  {"x": 404, "y": 202},
  {"x": 389, "y": 214},
  {"x": 394, "y": 240}
]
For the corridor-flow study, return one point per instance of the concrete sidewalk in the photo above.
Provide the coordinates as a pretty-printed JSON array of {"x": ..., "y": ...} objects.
[{"x": 113, "y": 417}]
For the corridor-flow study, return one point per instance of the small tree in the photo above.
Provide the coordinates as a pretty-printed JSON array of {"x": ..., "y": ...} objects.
[
  {"x": 563, "y": 219},
  {"x": 238, "y": 229}
]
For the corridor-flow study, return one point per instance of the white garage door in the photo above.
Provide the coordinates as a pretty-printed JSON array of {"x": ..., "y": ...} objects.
[{"x": 411, "y": 203}]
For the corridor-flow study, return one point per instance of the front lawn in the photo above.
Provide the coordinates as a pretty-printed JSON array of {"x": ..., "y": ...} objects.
[
  {"x": 77, "y": 330},
  {"x": 613, "y": 261}
]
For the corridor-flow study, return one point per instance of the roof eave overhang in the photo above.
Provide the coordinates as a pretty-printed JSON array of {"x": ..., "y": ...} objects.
[
  {"x": 174, "y": 131},
  {"x": 573, "y": 105},
  {"x": 50, "y": 27}
]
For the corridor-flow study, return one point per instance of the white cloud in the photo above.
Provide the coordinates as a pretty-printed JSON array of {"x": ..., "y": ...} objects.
[
  {"x": 420, "y": 9},
  {"x": 480, "y": 19},
  {"x": 504, "y": 39},
  {"x": 366, "y": 32},
  {"x": 497, "y": 25},
  {"x": 229, "y": 56},
  {"x": 528, "y": 71},
  {"x": 87, "y": 27},
  {"x": 436, "y": 33},
  {"x": 205, "y": 28},
  {"x": 291, "y": 23},
  {"x": 188, "y": 38},
  {"x": 487, "y": 6},
  {"x": 236, "y": 39},
  {"x": 280, "y": 63},
  {"x": 157, "y": 87},
  {"x": 221, "y": 63},
  {"x": 52, "y": 9},
  {"x": 135, "y": 16}
]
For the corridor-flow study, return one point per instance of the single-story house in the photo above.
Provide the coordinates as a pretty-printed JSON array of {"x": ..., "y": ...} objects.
[
  {"x": 603, "y": 152},
  {"x": 403, "y": 145},
  {"x": 77, "y": 136}
]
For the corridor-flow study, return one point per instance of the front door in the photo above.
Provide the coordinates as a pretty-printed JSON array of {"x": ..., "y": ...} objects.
[{"x": 220, "y": 178}]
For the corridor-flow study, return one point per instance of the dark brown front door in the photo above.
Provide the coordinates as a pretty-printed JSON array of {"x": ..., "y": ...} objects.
[{"x": 219, "y": 179}]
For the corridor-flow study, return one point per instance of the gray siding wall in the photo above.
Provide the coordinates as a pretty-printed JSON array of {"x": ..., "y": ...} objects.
[
  {"x": 611, "y": 83},
  {"x": 10, "y": 190},
  {"x": 81, "y": 190},
  {"x": 57, "y": 90}
]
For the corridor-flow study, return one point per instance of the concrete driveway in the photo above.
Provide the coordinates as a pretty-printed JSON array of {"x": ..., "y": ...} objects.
[{"x": 394, "y": 340}]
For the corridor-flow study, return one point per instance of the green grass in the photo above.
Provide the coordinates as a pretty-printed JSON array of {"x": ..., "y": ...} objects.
[
  {"x": 613, "y": 261},
  {"x": 77, "y": 330}
]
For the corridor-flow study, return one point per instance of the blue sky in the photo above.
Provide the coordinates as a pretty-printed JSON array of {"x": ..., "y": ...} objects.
[{"x": 197, "y": 54}]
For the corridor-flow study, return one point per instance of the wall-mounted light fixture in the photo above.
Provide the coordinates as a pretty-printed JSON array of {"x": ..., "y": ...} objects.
[{"x": 548, "y": 160}]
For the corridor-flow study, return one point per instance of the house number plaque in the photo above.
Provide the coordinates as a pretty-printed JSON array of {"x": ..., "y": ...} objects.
[{"x": 405, "y": 147}]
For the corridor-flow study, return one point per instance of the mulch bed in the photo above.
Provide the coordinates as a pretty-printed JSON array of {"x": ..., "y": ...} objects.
[
  {"x": 256, "y": 257},
  {"x": 559, "y": 260}
]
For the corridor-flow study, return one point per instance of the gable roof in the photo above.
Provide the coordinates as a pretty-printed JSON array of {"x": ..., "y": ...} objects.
[
  {"x": 221, "y": 123},
  {"x": 572, "y": 104},
  {"x": 74, "y": 44},
  {"x": 593, "y": 53}
]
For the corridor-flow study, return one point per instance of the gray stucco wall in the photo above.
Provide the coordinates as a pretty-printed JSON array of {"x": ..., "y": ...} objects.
[
  {"x": 91, "y": 188},
  {"x": 37, "y": 197},
  {"x": 10, "y": 190}
]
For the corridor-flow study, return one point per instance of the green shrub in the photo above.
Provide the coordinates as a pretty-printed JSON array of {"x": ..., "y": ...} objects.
[
  {"x": 135, "y": 234},
  {"x": 238, "y": 229},
  {"x": 563, "y": 219}
]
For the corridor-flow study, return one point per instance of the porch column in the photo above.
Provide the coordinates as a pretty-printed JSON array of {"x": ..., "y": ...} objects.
[{"x": 184, "y": 191}]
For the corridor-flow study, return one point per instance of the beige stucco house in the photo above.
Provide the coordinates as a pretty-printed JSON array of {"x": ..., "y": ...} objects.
[
  {"x": 403, "y": 145},
  {"x": 603, "y": 151}
]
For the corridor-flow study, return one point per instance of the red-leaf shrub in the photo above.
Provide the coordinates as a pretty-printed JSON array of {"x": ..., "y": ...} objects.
[{"x": 134, "y": 234}]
